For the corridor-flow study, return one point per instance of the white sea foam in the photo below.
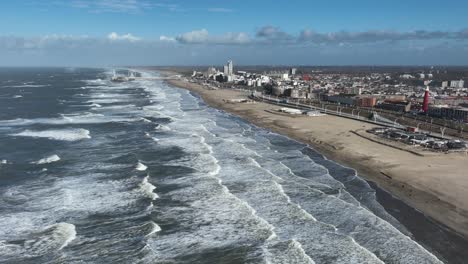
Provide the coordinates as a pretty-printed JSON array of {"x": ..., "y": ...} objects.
[
  {"x": 96, "y": 82},
  {"x": 49, "y": 159},
  {"x": 49, "y": 240},
  {"x": 105, "y": 101},
  {"x": 96, "y": 105},
  {"x": 268, "y": 197},
  {"x": 3, "y": 161},
  {"x": 78, "y": 118},
  {"x": 211, "y": 211},
  {"x": 154, "y": 228},
  {"x": 141, "y": 167},
  {"x": 107, "y": 108},
  {"x": 290, "y": 252},
  {"x": 17, "y": 96},
  {"x": 66, "y": 232},
  {"x": 57, "y": 134},
  {"x": 162, "y": 128},
  {"x": 30, "y": 85},
  {"x": 148, "y": 188}
]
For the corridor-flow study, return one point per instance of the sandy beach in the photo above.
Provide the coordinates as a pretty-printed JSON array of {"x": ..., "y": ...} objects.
[{"x": 435, "y": 184}]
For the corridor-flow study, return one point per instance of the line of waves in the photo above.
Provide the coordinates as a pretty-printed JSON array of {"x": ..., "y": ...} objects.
[{"x": 311, "y": 215}]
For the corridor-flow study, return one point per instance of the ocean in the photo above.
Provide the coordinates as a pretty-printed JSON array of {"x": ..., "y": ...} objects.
[{"x": 142, "y": 172}]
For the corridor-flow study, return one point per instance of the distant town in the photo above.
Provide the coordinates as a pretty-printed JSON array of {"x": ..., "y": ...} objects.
[
  {"x": 396, "y": 93},
  {"x": 400, "y": 92},
  {"x": 415, "y": 105}
]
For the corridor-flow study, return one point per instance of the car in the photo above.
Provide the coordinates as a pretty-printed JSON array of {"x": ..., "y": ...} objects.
[{"x": 456, "y": 144}]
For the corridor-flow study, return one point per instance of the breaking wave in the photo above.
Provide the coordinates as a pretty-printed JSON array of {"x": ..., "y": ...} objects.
[
  {"x": 57, "y": 134},
  {"x": 53, "y": 238},
  {"x": 141, "y": 167},
  {"x": 49, "y": 159},
  {"x": 148, "y": 188}
]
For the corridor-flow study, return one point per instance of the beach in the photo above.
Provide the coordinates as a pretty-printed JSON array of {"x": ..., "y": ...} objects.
[{"x": 435, "y": 183}]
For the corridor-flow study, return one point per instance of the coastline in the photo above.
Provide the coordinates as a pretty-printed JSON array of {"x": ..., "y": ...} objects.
[{"x": 401, "y": 176}]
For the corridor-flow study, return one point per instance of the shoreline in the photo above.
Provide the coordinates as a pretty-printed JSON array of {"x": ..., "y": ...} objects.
[{"x": 383, "y": 175}]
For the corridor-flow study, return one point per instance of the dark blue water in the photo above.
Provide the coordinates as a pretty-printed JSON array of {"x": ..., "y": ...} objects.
[{"x": 140, "y": 172}]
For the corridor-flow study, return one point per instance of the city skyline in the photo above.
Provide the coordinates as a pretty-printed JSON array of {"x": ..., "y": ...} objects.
[{"x": 137, "y": 32}]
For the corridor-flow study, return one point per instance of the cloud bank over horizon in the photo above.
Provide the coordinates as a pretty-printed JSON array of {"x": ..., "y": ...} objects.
[
  {"x": 274, "y": 35},
  {"x": 209, "y": 32},
  {"x": 266, "y": 45}
]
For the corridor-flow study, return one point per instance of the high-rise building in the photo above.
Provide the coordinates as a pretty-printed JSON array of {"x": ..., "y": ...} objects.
[
  {"x": 226, "y": 70},
  {"x": 292, "y": 71},
  {"x": 230, "y": 67},
  {"x": 445, "y": 84}
]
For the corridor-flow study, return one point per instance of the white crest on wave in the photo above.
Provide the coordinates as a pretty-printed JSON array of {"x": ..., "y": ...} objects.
[
  {"x": 47, "y": 160},
  {"x": 141, "y": 167}
]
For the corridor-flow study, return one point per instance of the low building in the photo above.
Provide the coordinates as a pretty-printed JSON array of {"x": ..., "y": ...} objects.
[
  {"x": 457, "y": 84},
  {"x": 259, "y": 82},
  {"x": 298, "y": 94},
  {"x": 394, "y": 97},
  {"x": 278, "y": 90},
  {"x": 457, "y": 113},
  {"x": 341, "y": 99},
  {"x": 397, "y": 106},
  {"x": 366, "y": 101}
]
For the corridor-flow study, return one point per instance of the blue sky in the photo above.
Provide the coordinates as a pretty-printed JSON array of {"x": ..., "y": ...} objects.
[{"x": 204, "y": 32}]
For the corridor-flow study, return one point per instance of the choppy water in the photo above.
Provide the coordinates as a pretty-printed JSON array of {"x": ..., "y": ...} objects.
[{"x": 141, "y": 172}]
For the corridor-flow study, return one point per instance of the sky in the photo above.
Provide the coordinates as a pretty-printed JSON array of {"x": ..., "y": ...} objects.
[{"x": 254, "y": 32}]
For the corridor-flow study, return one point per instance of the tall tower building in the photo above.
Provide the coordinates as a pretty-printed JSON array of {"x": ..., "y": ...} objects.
[
  {"x": 230, "y": 67},
  {"x": 426, "y": 100}
]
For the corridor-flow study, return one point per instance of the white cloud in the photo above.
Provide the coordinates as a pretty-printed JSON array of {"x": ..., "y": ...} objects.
[
  {"x": 203, "y": 37},
  {"x": 196, "y": 36},
  {"x": 373, "y": 36},
  {"x": 166, "y": 39},
  {"x": 275, "y": 36},
  {"x": 127, "y": 37}
]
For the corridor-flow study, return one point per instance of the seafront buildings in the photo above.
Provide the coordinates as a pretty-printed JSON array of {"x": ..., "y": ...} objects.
[{"x": 399, "y": 92}]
